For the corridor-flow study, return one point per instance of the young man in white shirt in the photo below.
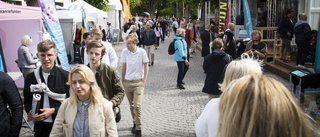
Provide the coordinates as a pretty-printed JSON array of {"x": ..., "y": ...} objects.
[
  {"x": 134, "y": 74},
  {"x": 110, "y": 57}
]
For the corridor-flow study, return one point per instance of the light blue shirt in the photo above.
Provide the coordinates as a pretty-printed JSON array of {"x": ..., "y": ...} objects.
[{"x": 80, "y": 125}]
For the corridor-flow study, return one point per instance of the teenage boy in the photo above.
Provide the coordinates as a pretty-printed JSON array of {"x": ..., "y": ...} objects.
[
  {"x": 134, "y": 74},
  {"x": 46, "y": 80},
  {"x": 107, "y": 77},
  {"x": 110, "y": 57}
]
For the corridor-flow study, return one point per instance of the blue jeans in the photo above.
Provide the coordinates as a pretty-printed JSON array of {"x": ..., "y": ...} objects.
[{"x": 183, "y": 68}]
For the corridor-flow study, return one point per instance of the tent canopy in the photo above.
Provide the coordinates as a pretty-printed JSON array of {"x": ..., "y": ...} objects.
[
  {"x": 115, "y": 4},
  {"x": 16, "y": 12},
  {"x": 89, "y": 9},
  {"x": 99, "y": 15},
  {"x": 15, "y": 22}
]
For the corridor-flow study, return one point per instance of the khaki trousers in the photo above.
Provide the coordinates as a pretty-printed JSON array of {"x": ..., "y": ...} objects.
[
  {"x": 150, "y": 52},
  {"x": 134, "y": 91}
]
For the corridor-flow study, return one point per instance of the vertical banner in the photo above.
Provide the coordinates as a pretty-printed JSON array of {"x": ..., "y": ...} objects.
[
  {"x": 224, "y": 16},
  {"x": 247, "y": 18},
  {"x": 2, "y": 62},
  {"x": 51, "y": 19},
  {"x": 183, "y": 11},
  {"x": 317, "y": 61},
  {"x": 126, "y": 10}
]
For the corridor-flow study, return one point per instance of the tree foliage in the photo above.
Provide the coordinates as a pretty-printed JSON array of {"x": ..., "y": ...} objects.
[
  {"x": 167, "y": 7},
  {"x": 100, "y": 4}
]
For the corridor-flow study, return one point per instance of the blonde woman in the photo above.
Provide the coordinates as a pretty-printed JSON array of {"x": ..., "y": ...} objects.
[
  {"x": 207, "y": 123},
  {"x": 259, "y": 106},
  {"x": 86, "y": 112},
  {"x": 26, "y": 62}
]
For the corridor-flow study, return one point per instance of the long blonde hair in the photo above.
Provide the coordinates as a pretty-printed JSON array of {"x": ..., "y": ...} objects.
[
  {"x": 259, "y": 106},
  {"x": 88, "y": 76}
]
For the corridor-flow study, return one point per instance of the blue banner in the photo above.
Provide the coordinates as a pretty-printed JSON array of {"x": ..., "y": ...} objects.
[
  {"x": 317, "y": 61},
  {"x": 247, "y": 18},
  {"x": 1, "y": 64},
  {"x": 51, "y": 19}
]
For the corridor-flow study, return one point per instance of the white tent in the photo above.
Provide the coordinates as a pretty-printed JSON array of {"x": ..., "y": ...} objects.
[
  {"x": 115, "y": 13},
  {"x": 68, "y": 21},
  {"x": 99, "y": 15}
]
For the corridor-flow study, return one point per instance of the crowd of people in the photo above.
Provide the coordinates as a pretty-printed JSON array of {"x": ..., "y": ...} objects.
[{"x": 85, "y": 101}]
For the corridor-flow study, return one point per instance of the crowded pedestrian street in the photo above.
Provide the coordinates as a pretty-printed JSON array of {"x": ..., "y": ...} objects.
[{"x": 166, "y": 110}]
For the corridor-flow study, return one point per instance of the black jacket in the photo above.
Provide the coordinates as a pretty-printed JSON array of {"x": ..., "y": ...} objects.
[
  {"x": 9, "y": 125},
  {"x": 214, "y": 65},
  {"x": 148, "y": 41},
  {"x": 231, "y": 49},
  {"x": 205, "y": 37},
  {"x": 56, "y": 83},
  {"x": 302, "y": 31},
  {"x": 286, "y": 26}
]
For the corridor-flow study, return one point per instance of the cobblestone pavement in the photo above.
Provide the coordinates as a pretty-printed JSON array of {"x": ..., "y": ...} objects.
[{"x": 166, "y": 110}]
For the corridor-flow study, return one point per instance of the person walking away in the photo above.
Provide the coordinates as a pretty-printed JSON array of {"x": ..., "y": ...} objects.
[
  {"x": 206, "y": 37},
  {"x": 189, "y": 38},
  {"x": 229, "y": 44},
  {"x": 158, "y": 31},
  {"x": 303, "y": 35},
  {"x": 10, "y": 123},
  {"x": 180, "y": 56},
  {"x": 107, "y": 77},
  {"x": 86, "y": 113},
  {"x": 149, "y": 39},
  {"x": 50, "y": 82},
  {"x": 208, "y": 122},
  {"x": 214, "y": 64},
  {"x": 255, "y": 104},
  {"x": 134, "y": 74},
  {"x": 26, "y": 62},
  {"x": 286, "y": 33},
  {"x": 175, "y": 26}
]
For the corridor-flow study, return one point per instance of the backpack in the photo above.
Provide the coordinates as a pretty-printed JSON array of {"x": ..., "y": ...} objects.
[
  {"x": 174, "y": 25},
  {"x": 171, "y": 49}
]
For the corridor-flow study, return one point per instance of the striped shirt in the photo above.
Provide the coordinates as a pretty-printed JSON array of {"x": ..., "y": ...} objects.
[{"x": 80, "y": 125}]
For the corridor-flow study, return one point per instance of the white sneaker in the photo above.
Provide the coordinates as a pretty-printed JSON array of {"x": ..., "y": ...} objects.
[{"x": 301, "y": 66}]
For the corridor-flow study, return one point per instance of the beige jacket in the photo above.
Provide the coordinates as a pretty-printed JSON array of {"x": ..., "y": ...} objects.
[{"x": 100, "y": 125}]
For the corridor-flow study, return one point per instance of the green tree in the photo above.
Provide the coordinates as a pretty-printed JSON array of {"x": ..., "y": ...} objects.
[{"x": 100, "y": 4}]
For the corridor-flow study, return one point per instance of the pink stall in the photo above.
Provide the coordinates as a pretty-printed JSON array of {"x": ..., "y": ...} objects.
[{"x": 15, "y": 22}]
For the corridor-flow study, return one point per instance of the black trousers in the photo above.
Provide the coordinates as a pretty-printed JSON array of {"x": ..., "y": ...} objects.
[
  {"x": 42, "y": 129},
  {"x": 163, "y": 36},
  {"x": 303, "y": 50}
]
